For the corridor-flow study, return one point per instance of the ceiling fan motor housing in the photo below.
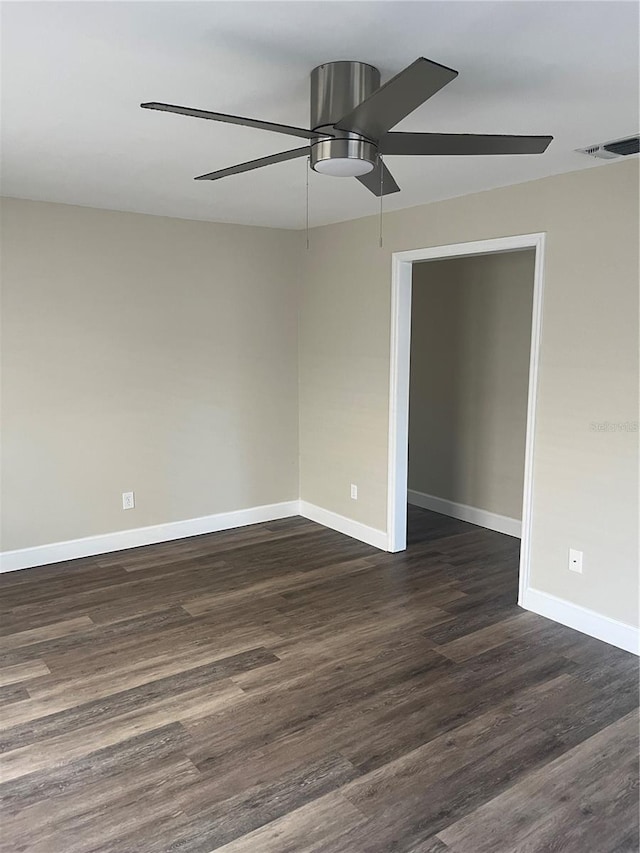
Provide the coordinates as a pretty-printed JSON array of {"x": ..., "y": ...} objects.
[{"x": 336, "y": 89}]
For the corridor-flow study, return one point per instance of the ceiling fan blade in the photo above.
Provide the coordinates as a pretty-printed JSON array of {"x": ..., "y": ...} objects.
[
  {"x": 255, "y": 164},
  {"x": 461, "y": 143},
  {"x": 375, "y": 182},
  {"x": 247, "y": 122},
  {"x": 397, "y": 98}
]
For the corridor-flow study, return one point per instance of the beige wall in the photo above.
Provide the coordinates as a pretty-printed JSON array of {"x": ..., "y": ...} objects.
[
  {"x": 142, "y": 353},
  {"x": 585, "y": 481},
  {"x": 470, "y": 341},
  {"x": 160, "y": 355}
]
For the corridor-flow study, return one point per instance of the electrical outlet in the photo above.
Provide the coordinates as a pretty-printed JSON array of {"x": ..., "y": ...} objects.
[
  {"x": 575, "y": 561},
  {"x": 128, "y": 500},
  {"x": 354, "y": 492}
]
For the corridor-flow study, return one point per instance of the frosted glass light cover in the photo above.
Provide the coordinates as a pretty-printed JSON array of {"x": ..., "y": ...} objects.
[{"x": 343, "y": 167}]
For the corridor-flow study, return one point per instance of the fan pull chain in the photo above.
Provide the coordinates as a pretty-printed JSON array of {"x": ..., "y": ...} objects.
[
  {"x": 381, "y": 164},
  {"x": 308, "y": 168}
]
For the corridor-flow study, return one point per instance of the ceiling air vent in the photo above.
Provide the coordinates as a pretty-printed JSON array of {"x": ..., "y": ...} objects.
[
  {"x": 611, "y": 150},
  {"x": 625, "y": 146}
]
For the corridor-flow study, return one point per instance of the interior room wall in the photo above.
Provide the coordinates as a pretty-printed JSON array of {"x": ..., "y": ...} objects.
[
  {"x": 584, "y": 473},
  {"x": 159, "y": 355},
  {"x": 470, "y": 342},
  {"x": 143, "y": 353}
]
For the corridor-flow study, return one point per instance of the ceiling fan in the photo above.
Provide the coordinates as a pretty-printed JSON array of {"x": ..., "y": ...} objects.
[{"x": 351, "y": 116}]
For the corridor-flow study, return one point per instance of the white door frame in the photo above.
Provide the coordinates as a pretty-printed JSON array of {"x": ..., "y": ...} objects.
[{"x": 402, "y": 263}]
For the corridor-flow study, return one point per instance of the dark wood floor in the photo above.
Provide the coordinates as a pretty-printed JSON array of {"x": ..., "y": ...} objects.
[{"x": 285, "y": 689}]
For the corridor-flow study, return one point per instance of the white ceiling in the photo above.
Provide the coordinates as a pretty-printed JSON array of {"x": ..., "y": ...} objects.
[{"x": 74, "y": 74}]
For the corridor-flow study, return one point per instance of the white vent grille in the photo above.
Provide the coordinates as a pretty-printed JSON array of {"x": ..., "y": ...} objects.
[
  {"x": 598, "y": 151},
  {"x": 612, "y": 150}
]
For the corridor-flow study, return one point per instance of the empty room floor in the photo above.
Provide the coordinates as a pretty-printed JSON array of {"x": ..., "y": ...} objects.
[{"x": 282, "y": 688}]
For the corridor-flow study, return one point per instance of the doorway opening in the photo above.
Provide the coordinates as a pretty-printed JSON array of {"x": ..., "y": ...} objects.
[{"x": 438, "y": 471}]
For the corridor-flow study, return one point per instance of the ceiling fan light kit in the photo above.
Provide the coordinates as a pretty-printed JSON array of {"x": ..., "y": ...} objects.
[
  {"x": 351, "y": 119},
  {"x": 343, "y": 158}
]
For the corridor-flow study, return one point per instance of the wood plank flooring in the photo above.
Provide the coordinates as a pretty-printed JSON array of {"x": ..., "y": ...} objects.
[{"x": 284, "y": 689}]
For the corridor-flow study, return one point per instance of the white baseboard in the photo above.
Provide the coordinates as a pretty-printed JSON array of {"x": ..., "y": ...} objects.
[
  {"x": 581, "y": 619},
  {"x": 588, "y": 622},
  {"x": 355, "y": 529},
  {"x": 481, "y": 517},
  {"x": 89, "y": 546}
]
